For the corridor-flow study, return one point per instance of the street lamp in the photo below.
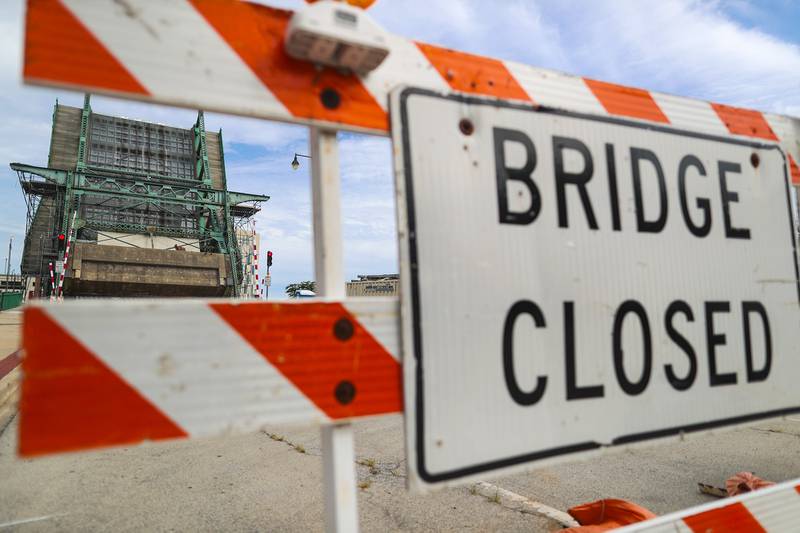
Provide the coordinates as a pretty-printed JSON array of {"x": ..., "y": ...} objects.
[{"x": 295, "y": 162}]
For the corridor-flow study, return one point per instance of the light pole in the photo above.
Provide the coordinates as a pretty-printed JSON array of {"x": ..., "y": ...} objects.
[{"x": 295, "y": 162}]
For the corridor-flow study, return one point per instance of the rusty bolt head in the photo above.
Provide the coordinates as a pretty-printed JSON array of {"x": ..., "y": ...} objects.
[{"x": 466, "y": 126}]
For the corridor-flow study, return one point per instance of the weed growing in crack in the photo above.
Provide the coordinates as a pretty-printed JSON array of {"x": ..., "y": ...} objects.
[{"x": 369, "y": 463}]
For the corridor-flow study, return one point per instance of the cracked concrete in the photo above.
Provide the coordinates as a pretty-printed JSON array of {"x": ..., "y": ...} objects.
[
  {"x": 239, "y": 483},
  {"x": 272, "y": 481}
]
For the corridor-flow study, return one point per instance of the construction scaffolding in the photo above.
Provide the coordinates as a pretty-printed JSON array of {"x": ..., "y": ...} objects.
[
  {"x": 127, "y": 195},
  {"x": 249, "y": 246}
]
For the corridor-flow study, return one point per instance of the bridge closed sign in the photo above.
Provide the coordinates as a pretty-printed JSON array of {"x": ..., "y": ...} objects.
[{"x": 578, "y": 282}]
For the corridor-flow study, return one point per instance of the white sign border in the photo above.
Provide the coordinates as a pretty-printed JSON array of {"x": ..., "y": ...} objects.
[{"x": 413, "y": 378}]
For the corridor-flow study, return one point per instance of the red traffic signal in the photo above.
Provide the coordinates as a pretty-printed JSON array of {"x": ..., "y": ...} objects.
[
  {"x": 61, "y": 236},
  {"x": 269, "y": 258}
]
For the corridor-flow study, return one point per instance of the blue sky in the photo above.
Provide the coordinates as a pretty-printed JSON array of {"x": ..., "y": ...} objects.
[{"x": 739, "y": 52}]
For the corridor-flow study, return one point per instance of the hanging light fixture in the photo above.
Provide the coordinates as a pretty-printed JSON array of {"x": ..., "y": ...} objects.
[{"x": 296, "y": 163}]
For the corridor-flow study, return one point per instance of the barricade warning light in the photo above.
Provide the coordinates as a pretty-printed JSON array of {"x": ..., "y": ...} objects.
[{"x": 336, "y": 35}]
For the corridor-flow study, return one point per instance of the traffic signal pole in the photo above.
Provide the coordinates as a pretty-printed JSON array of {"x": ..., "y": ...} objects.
[
  {"x": 267, "y": 278},
  {"x": 266, "y": 285}
]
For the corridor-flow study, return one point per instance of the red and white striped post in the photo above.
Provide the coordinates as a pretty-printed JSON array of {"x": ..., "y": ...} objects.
[
  {"x": 66, "y": 257},
  {"x": 52, "y": 282},
  {"x": 256, "y": 292}
]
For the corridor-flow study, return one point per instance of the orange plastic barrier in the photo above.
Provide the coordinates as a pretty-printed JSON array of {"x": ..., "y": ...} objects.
[{"x": 604, "y": 515}]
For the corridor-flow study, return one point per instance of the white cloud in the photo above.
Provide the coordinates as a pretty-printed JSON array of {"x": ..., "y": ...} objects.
[{"x": 368, "y": 212}]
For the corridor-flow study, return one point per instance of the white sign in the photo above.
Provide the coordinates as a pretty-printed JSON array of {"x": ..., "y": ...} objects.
[{"x": 577, "y": 282}]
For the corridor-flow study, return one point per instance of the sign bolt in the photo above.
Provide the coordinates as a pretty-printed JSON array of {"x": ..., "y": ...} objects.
[
  {"x": 345, "y": 392},
  {"x": 330, "y": 98},
  {"x": 343, "y": 329}
]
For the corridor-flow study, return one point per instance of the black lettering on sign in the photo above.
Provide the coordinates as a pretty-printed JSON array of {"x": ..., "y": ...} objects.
[
  {"x": 611, "y": 166},
  {"x": 729, "y": 197},
  {"x": 503, "y": 173},
  {"x": 630, "y": 387},
  {"x": 714, "y": 339},
  {"x": 642, "y": 224},
  {"x": 702, "y": 203},
  {"x": 520, "y": 396},
  {"x": 579, "y": 179},
  {"x": 574, "y": 392},
  {"x": 752, "y": 374},
  {"x": 679, "y": 306}
]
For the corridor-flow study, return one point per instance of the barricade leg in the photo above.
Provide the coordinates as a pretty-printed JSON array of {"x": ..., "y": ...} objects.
[{"x": 338, "y": 455}]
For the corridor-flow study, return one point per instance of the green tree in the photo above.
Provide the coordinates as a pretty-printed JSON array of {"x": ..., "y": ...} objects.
[{"x": 294, "y": 288}]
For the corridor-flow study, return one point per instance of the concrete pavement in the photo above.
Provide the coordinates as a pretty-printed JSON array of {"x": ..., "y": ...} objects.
[
  {"x": 10, "y": 333},
  {"x": 272, "y": 481},
  {"x": 243, "y": 483}
]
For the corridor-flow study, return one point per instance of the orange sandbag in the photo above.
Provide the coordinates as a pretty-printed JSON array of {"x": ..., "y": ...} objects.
[
  {"x": 745, "y": 482},
  {"x": 603, "y": 515}
]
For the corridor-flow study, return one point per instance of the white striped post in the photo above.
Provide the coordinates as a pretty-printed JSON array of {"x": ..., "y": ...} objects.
[
  {"x": 338, "y": 452},
  {"x": 52, "y": 283},
  {"x": 255, "y": 263},
  {"x": 70, "y": 229}
]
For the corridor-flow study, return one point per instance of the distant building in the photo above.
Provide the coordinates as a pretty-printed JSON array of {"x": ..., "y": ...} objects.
[
  {"x": 250, "y": 246},
  {"x": 145, "y": 207},
  {"x": 374, "y": 285}
]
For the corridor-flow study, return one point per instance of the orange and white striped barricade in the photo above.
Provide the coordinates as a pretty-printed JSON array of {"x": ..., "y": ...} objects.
[
  {"x": 157, "y": 52},
  {"x": 190, "y": 368},
  {"x": 772, "y": 509}
]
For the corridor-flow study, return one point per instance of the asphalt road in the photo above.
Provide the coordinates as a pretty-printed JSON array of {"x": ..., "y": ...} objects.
[{"x": 271, "y": 481}]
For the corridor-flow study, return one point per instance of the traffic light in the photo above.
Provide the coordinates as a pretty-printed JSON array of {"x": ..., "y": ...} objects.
[
  {"x": 62, "y": 242},
  {"x": 269, "y": 258}
]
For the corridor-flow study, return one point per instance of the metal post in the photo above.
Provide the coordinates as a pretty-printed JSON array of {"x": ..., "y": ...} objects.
[
  {"x": 266, "y": 284},
  {"x": 338, "y": 453},
  {"x": 8, "y": 261}
]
